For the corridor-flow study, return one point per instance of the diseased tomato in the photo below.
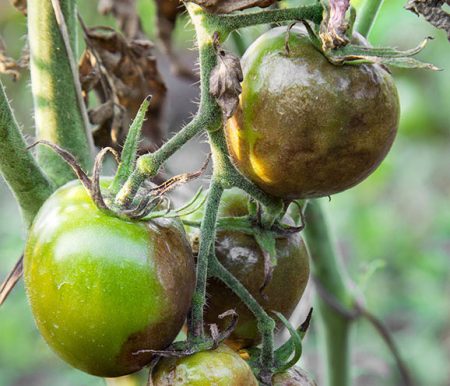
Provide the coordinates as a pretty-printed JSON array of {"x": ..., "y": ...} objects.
[
  {"x": 101, "y": 287},
  {"x": 219, "y": 367},
  {"x": 304, "y": 127},
  {"x": 295, "y": 376},
  {"x": 242, "y": 256}
]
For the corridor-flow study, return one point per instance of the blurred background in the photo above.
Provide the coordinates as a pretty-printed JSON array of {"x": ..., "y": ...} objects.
[{"x": 393, "y": 230}]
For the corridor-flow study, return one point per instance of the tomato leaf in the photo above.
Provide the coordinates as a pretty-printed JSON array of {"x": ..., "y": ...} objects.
[
  {"x": 225, "y": 81},
  {"x": 295, "y": 346},
  {"x": 355, "y": 54}
]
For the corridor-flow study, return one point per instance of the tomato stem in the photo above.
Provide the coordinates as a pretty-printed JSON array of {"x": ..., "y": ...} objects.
[
  {"x": 329, "y": 275},
  {"x": 266, "y": 324},
  {"x": 367, "y": 16},
  {"x": 26, "y": 179},
  {"x": 58, "y": 114},
  {"x": 242, "y": 20},
  {"x": 207, "y": 237}
]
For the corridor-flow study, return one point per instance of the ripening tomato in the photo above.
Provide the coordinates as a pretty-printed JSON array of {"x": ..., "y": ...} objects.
[
  {"x": 242, "y": 256},
  {"x": 219, "y": 367},
  {"x": 102, "y": 288},
  {"x": 307, "y": 128}
]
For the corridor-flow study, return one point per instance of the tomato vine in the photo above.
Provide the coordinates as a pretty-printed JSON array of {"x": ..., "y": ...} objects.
[{"x": 64, "y": 125}]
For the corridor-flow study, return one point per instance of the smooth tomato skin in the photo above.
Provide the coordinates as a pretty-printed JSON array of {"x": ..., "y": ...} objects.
[
  {"x": 101, "y": 287},
  {"x": 242, "y": 256},
  {"x": 304, "y": 127},
  {"x": 219, "y": 367},
  {"x": 295, "y": 376}
]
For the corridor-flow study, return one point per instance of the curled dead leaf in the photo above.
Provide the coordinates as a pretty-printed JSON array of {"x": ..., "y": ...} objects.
[
  {"x": 334, "y": 25},
  {"x": 124, "y": 11},
  {"x": 122, "y": 72},
  {"x": 225, "y": 81},
  {"x": 21, "y": 5},
  {"x": 10, "y": 66},
  {"x": 433, "y": 12}
]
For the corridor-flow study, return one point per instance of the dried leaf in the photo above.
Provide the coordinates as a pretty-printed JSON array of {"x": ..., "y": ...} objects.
[
  {"x": 334, "y": 25},
  {"x": 21, "y": 5},
  {"x": 167, "y": 13},
  {"x": 10, "y": 66},
  {"x": 225, "y": 81},
  {"x": 126, "y": 15},
  {"x": 123, "y": 73},
  {"x": 433, "y": 12},
  {"x": 227, "y": 6}
]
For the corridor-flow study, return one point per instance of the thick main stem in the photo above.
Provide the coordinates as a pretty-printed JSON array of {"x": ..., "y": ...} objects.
[
  {"x": 57, "y": 113},
  {"x": 18, "y": 167},
  {"x": 330, "y": 278},
  {"x": 367, "y": 16}
]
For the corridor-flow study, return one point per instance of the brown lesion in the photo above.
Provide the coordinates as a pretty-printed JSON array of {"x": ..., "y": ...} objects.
[
  {"x": 247, "y": 264},
  {"x": 174, "y": 265}
]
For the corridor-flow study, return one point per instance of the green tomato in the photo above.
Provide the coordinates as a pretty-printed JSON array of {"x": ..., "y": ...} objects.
[
  {"x": 102, "y": 288},
  {"x": 304, "y": 127},
  {"x": 219, "y": 367}
]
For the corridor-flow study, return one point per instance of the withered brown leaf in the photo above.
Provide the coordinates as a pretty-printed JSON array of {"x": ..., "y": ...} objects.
[
  {"x": 123, "y": 73},
  {"x": 433, "y": 12},
  {"x": 225, "y": 81},
  {"x": 10, "y": 66},
  {"x": 21, "y": 5},
  {"x": 334, "y": 25},
  {"x": 167, "y": 13},
  {"x": 126, "y": 15},
  {"x": 227, "y": 6}
]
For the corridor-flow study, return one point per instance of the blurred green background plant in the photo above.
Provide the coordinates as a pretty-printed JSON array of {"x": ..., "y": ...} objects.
[{"x": 393, "y": 230}]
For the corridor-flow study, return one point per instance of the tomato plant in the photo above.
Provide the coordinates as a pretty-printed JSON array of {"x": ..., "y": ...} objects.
[
  {"x": 240, "y": 253},
  {"x": 220, "y": 367},
  {"x": 110, "y": 277},
  {"x": 305, "y": 127},
  {"x": 102, "y": 288}
]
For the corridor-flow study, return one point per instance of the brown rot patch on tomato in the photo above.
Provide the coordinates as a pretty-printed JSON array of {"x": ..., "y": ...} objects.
[
  {"x": 306, "y": 128},
  {"x": 174, "y": 263},
  {"x": 242, "y": 256},
  {"x": 131, "y": 359}
]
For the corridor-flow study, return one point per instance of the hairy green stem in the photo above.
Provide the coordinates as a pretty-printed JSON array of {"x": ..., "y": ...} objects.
[
  {"x": 329, "y": 276},
  {"x": 266, "y": 324},
  {"x": 148, "y": 165},
  {"x": 241, "y": 20},
  {"x": 57, "y": 113},
  {"x": 18, "y": 167},
  {"x": 207, "y": 237},
  {"x": 367, "y": 16}
]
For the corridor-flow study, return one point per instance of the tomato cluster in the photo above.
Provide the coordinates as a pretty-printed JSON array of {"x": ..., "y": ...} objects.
[{"x": 105, "y": 290}]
